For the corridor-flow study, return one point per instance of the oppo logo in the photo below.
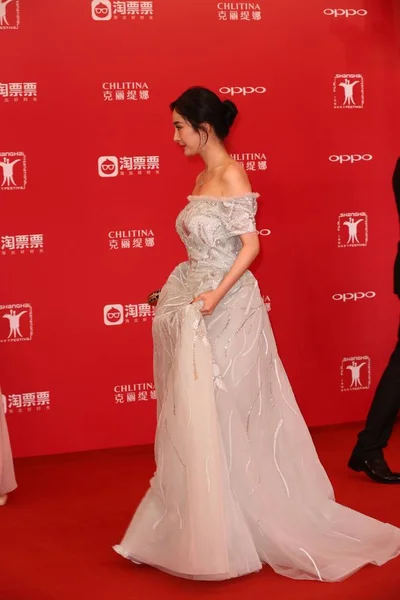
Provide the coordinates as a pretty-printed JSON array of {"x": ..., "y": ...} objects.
[
  {"x": 264, "y": 232},
  {"x": 244, "y": 91},
  {"x": 355, "y": 296},
  {"x": 351, "y": 158},
  {"x": 345, "y": 12}
]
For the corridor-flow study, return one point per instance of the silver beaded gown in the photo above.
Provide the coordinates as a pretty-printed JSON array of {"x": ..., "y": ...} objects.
[
  {"x": 7, "y": 475},
  {"x": 238, "y": 480}
]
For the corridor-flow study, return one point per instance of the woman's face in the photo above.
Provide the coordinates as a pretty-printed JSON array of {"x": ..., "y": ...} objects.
[{"x": 185, "y": 135}]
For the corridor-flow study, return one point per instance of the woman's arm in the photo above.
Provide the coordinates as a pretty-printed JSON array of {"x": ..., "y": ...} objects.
[{"x": 251, "y": 247}]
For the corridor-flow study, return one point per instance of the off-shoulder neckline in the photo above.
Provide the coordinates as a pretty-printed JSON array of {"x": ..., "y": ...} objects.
[{"x": 223, "y": 198}]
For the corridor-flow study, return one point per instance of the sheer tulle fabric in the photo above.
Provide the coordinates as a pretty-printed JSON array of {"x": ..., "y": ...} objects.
[
  {"x": 238, "y": 481},
  {"x": 7, "y": 477}
]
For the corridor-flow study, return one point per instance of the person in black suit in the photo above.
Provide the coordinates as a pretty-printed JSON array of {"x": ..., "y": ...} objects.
[{"x": 367, "y": 455}]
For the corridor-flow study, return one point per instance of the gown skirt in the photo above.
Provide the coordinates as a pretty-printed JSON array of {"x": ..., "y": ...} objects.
[{"x": 238, "y": 482}]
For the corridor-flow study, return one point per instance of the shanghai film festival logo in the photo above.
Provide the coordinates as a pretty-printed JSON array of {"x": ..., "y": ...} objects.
[
  {"x": 355, "y": 373},
  {"x": 348, "y": 91},
  {"x": 13, "y": 175},
  {"x": 106, "y": 10},
  {"x": 16, "y": 323},
  {"x": 9, "y": 14},
  {"x": 352, "y": 230}
]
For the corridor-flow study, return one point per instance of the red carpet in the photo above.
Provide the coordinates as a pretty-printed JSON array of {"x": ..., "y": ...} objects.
[{"x": 57, "y": 531}]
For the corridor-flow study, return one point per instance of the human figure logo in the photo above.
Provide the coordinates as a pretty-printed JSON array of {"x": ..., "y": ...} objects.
[
  {"x": 8, "y": 172},
  {"x": 352, "y": 229},
  {"x": 355, "y": 373},
  {"x": 9, "y": 14},
  {"x": 14, "y": 320},
  {"x": 16, "y": 323},
  {"x": 348, "y": 91},
  {"x": 12, "y": 171}
]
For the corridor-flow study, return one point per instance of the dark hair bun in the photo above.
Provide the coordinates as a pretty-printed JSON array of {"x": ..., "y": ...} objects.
[
  {"x": 199, "y": 105},
  {"x": 230, "y": 111}
]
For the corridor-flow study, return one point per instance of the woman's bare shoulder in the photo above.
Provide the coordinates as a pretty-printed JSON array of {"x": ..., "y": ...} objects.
[{"x": 235, "y": 180}]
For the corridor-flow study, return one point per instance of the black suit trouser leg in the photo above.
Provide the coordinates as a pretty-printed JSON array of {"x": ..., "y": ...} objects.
[{"x": 384, "y": 409}]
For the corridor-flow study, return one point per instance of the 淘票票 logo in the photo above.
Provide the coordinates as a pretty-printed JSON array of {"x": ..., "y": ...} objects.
[
  {"x": 16, "y": 323},
  {"x": 9, "y": 14},
  {"x": 125, "y": 90},
  {"x": 28, "y": 402},
  {"x": 348, "y": 91},
  {"x": 118, "y": 314},
  {"x": 353, "y": 296},
  {"x": 345, "y": 12},
  {"x": 13, "y": 173},
  {"x": 242, "y": 91},
  {"x": 112, "y": 166},
  {"x": 352, "y": 229},
  {"x": 113, "y": 314},
  {"x": 108, "y": 166},
  {"x": 105, "y": 10},
  {"x": 101, "y": 10},
  {"x": 18, "y": 91},
  {"x": 239, "y": 11},
  {"x": 251, "y": 161},
  {"x": 134, "y": 392},
  {"x": 349, "y": 158},
  {"x": 355, "y": 373},
  {"x": 22, "y": 244},
  {"x": 131, "y": 238}
]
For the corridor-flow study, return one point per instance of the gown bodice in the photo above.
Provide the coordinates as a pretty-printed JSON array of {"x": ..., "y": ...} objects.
[{"x": 210, "y": 228}]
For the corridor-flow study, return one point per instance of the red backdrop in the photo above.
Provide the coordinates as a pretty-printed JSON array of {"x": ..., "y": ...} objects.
[{"x": 89, "y": 208}]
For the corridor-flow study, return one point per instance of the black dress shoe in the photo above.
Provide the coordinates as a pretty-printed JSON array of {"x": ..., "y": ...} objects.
[{"x": 376, "y": 468}]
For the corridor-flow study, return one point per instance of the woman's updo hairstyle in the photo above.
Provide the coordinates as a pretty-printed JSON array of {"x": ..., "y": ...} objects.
[{"x": 199, "y": 105}]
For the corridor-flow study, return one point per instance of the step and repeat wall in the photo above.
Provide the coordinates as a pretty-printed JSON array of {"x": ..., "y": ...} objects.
[{"x": 91, "y": 184}]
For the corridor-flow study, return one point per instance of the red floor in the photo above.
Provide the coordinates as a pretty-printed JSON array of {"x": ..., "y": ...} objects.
[{"x": 57, "y": 531}]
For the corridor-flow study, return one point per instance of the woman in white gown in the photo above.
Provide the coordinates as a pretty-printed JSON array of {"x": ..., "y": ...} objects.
[
  {"x": 238, "y": 481},
  {"x": 7, "y": 477}
]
